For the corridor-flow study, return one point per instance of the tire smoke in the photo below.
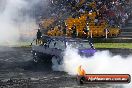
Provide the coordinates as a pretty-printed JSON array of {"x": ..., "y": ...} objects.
[{"x": 103, "y": 62}]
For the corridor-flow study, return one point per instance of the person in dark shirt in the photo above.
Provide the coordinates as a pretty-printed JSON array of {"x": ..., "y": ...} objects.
[
  {"x": 74, "y": 31},
  {"x": 84, "y": 33},
  {"x": 59, "y": 27},
  {"x": 39, "y": 35},
  {"x": 65, "y": 30}
]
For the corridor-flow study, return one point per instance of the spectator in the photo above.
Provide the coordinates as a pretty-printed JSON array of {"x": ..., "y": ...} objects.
[
  {"x": 65, "y": 30},
  {"x": 74, "y": 31},
  {"x": 114, "y": 12},
  {"x": 96, "y": 21},
  {"x": 39, "y": 35}
]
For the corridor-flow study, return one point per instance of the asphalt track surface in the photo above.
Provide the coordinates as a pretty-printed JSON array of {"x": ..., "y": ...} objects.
[{"x": 17, "y": 70}]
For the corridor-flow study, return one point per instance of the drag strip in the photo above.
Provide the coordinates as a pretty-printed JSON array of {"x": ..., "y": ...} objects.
[{"x": 17, "y": 70}]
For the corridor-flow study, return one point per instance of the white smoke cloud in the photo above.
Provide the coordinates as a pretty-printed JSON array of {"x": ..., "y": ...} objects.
[
  {"x": 15, "y": 21},
  {"x": 101, "y": 63}
]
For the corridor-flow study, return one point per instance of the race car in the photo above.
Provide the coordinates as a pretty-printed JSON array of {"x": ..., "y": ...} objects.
[{"x": 52, "y": 48}]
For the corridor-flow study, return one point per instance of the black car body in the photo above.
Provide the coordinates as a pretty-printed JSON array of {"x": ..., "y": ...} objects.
[{"x": 53, "y": 48}]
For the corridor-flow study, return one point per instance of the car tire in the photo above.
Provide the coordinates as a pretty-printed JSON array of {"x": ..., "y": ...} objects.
[{"x": 81, "y": 81}]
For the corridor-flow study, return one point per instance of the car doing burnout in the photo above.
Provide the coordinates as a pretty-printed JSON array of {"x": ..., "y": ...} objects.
[{"x": 52, "y": 48}]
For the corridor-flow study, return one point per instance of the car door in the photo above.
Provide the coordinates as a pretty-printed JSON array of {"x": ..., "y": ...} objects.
[
  {"x": 56, "y": 47},
  {"x": 51, "y": 48}
]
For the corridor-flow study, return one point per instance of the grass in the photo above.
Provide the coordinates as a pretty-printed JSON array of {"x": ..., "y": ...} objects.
[
  {"x": 26, "y": 46},
  {"x": 102, "y": 45},
  {"x": 96, "y": 45},
  {"x": 21, "y": 45},
  {"x": 113, "y": 45}
]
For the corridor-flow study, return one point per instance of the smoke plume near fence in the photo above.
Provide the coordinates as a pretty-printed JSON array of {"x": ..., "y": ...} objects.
[{"x": 16, "y": 21}]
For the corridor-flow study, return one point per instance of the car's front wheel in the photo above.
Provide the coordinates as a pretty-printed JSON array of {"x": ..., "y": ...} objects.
[{"x": 56, "y": 60}]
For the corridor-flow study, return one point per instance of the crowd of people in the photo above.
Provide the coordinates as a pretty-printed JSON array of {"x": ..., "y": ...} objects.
[{"x": 115, "y": 12}]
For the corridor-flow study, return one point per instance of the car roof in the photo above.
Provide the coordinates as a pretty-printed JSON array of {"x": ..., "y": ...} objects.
[{"x": 66, "y": 39}]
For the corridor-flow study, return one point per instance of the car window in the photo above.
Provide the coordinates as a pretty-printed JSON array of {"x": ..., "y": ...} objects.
[
  {"x": 72, "y": 44},
  {"x": 84, "y": 45},
  {"x": 52, "y": 44},
  {"x": 60, "y": 45},
  {"x": 57, "y": 44},
  {"x": 79, "y": 45}
]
